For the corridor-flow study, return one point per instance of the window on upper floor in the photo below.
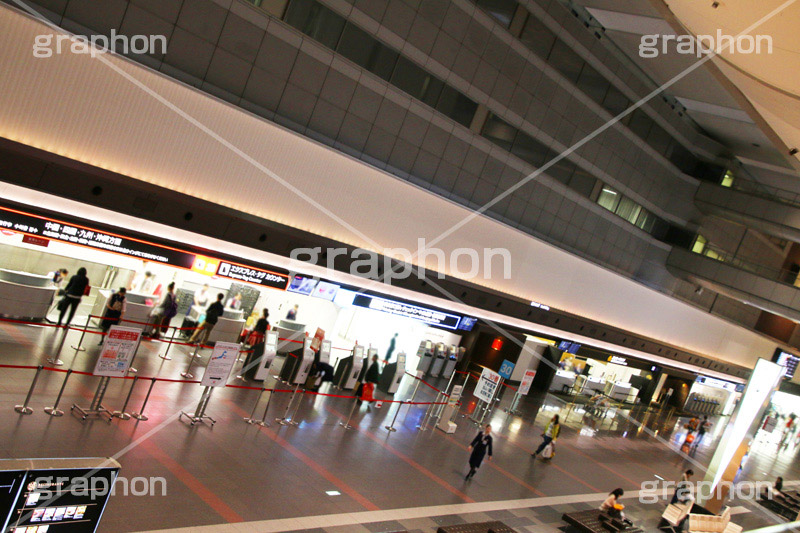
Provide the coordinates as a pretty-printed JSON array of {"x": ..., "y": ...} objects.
[
  {"x": 412, "y": 79},
  {"x": 609, "y": 198},
  {"x": 537, "y": 37},
  {"x": 365, "y": 51},
  {"x": 727, "y": 179},
  {"x": 628, "y": 209},
  {"x": 501, "y": 132},
  {"x": 566, "y": 61},
  {"x": 316, "y": 21},
  {"x": 646, "y": 221},
  {"x": 456, "y": 106},
  {"x": 593, "y": 84},
  {"x": 699, "y": 244},
  {"x": 500, "y": 10},
  {"x": 582, "y": 182}
]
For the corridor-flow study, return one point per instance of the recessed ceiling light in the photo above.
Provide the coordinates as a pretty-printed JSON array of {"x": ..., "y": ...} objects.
[{"x": 333, "y": 493}]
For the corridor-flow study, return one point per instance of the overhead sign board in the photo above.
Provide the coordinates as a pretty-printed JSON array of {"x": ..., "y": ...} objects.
[
  {"x": 506, "y": 369},
  {"x": 43, "y": 229}
]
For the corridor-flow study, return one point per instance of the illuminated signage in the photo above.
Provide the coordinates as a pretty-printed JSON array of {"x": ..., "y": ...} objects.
[
  {"x": 569, "y": 347},
  {"x": 540, "y": 306},
  {"x": 49, "y": 229},
  {"x": 788, "y": 361},
  {"x": 429, "y": 316},
  {"x": 617, "y": 360},
  {"x": 252, "y": 275},
  {"x": 716, "y": 383}
]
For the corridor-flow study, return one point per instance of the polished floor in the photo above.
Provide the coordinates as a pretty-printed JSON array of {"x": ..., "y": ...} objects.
[{"x": 238, "y": 473}]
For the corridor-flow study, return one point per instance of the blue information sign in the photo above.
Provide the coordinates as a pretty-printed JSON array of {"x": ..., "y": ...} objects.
[{"x": 506, "y": 369}]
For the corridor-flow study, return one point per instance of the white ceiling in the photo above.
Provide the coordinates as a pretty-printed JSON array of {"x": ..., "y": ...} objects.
[{"x": 771, "y": 115}]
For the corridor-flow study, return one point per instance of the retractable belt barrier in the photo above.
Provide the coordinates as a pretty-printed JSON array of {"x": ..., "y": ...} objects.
[{"x": 54, "y": 411}]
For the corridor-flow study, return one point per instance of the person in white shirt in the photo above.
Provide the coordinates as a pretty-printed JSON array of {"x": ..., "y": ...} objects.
[
  {"x": 144, "y": 285},
  {"x": 235, "y": 302},
  {"x": 202, "y": 297}
]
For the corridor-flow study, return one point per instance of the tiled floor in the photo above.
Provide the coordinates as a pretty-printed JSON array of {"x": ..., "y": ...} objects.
[{"x": 238, "y": 473}]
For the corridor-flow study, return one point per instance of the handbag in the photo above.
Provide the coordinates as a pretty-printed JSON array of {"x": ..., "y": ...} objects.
[
  {"x": 549, "y": 451},
  {"x": 87, "y": 290}
]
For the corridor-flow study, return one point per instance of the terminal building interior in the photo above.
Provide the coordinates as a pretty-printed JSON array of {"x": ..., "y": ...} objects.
[{"x": 399, "y": 266}]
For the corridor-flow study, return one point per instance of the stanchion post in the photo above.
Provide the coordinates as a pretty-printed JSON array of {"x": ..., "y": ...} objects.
[
  {"x": 414, "y": 394},
  {"x": 263, "y": 422},
  {"x": 55, "y": 361},
  {"x": 187, "y": 374},
  {"x": 423, "y": 425},
  {"x": 292, "y": 420},
  {"x": 140, "y": 415},
  {"x": 55, "y": 411},
  {"x": 390, "y": 428},
  {"x": 96, "y": 408},
  {"x": 79, "y": 347},
  {"x": 122, "y": 414},
  {"x": 346, "y": 425},
  {"x": 24, "y": 409},
  {"x": 250, "y": 419},
  {"x": 200, "y": 412},
  {"x": 285, "y": 420},
  {"x": 166, "y": 356}
]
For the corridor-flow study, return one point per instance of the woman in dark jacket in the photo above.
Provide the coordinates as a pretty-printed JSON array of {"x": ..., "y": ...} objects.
[
  {"x": 481, "y": 444},
  {"x": 73, "y": 293},
  {"x": 115, "y": 307}
]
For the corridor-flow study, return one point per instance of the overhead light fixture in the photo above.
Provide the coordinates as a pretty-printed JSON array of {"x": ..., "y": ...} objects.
[
  {"x": 793, "y": 151},
  {"x": 715, "y": 5},
  {"x": 333, "y": 493}
]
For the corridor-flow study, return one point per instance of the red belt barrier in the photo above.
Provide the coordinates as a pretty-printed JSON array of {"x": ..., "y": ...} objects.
[
  {"x": 428, "y": 384},
  {"x": 168, "y": 380}
]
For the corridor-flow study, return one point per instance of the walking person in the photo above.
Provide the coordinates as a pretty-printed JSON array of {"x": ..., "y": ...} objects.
[
  {"x": 77, "y": 288},
  {"x": 115, "y": 308},
  {"x": 213, "y": 313},
  {"x": 701, "y": 431},
  {"x": 480, "y": 446},
  {"x": 162, "y": 314},
  {"x": 550, "y": 435},
  {"x": 390, "y": 350}
]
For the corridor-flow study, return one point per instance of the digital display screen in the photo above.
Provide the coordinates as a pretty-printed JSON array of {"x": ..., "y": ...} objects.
[
  {"x": 302, "y": 285},
  {"x": 429, "y": 316},
  {"x": 467, "y": 323},
  {"x": 325, "y": 290},
  {"x": 788, "y": 361},
  {"x": 569, "y": 347},
  {"x": 55, "y": 500}
]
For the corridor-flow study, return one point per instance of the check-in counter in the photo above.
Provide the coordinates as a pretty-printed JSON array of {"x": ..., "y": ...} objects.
[
  {"x": 591, "y": 385},
  {"x": 288, "y": 331},
  {"x": 618, "y": 391},
  {"x": 562, "y": 381},
  {"x": 228, "y": 328},
  {"x": 137, "y": 308},
  {"x": 25, "y": 295}
]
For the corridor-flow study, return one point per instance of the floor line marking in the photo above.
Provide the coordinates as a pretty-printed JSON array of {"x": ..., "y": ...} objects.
[
  {"x": 311, "y": 463},
  {"x": 554, "y": 465},
  {"x": 406, "y": 458},
  {"x": 502, "y": 470}
]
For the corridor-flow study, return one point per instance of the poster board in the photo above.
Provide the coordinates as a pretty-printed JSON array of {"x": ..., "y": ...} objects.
[
  {"x": 119, "y": 348},
  {"x": 527, "y": 380},
  {"x": 220, "y": 364},
  {"x": 487, "y": 385}
]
